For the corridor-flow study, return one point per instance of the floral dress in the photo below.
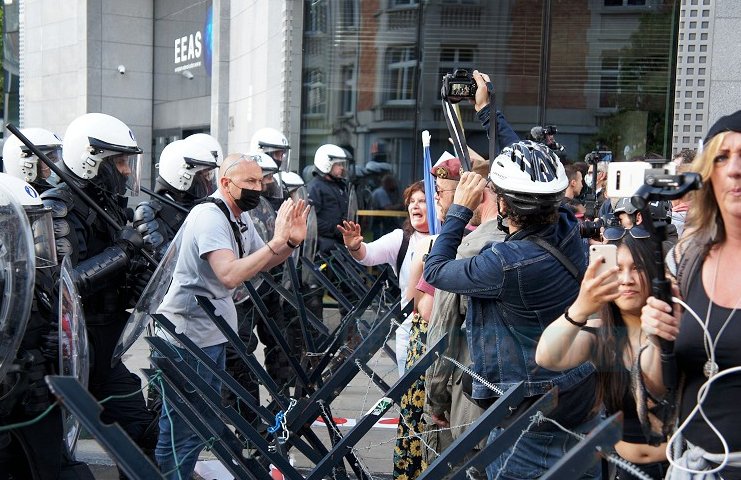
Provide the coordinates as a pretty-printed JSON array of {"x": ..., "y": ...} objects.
[{"x": 408, "y": 459}]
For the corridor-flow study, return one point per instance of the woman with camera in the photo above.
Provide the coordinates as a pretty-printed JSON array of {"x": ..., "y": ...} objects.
[
  {"x": 613, "y": 342},
  {"x": 707, "y": 267}
]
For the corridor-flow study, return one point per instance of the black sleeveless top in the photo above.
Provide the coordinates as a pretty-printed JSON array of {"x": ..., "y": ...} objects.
[{"x": 721, "y": 403}]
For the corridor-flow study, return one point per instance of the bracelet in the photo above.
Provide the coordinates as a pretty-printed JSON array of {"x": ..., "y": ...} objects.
[
  {"x": 571, "y": 320},
  {"x": 267, "y": 244},
  {"x": 355, "y": 249},
  {"x": 292, "y": 245}
]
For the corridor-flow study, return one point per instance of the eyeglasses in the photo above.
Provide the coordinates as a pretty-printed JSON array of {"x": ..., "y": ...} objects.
[
  {"x": 613, "y": 234},
  {"x": 438, "y": 190}
]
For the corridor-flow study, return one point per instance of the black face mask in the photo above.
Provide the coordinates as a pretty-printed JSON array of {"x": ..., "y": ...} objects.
[{"x": 248, "y": 199}]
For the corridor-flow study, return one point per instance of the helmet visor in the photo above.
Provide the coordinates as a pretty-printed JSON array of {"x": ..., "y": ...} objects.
[
  {"x": 204, "y": 183},
  {"x": 42, "y": 228},
  {"x": 280, "y": 155},
  {"x": 129, "y": 165},
  {"x": 272, "y": 187}
]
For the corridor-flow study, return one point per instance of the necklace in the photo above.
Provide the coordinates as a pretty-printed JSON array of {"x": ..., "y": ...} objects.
[{"x": 711, "y": 367}]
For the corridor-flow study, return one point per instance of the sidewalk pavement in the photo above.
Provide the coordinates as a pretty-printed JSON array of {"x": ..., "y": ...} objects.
[{"x": 375, "y": 450}]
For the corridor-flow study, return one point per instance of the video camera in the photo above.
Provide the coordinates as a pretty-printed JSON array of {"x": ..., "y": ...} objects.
[
  {"x": 593, "y": 158},
  {"x": 550, "y": 130},
  {"x": 593, "y": 229},
  {"x": 458, "y": 86}
]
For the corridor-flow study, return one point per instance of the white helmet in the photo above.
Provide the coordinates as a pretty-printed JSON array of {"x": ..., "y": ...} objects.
[
  {"x": 329, "y": 154},
  {"x": 265, "y": 161},
  {"x": 274, "y": 143},
  {"x": 292, "y": 180},
  {"x": 206, "y": 141},
  {"x": 39, "y": 217},
  {"x": 530, "y": 176},
  {"x": 94, "y": 137},
  {"x": 21, "y": 162},
  {"x": 187, "y": 167}
]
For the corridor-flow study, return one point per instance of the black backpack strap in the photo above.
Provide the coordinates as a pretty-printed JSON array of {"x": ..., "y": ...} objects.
[
  {"x": 565, "y": 261},
  {"x": 402, "y": 251},
  {"x": 225, "y": 210}
]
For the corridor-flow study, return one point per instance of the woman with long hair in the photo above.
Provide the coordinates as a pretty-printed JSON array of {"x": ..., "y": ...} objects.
[
  {"x": 396, "y": 248},
  {"x": 613, "y": 341},
  {"x": 707, "y": 268}
]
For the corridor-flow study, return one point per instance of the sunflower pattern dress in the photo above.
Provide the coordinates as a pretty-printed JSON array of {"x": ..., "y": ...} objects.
[{"x": 408, "y": 460}]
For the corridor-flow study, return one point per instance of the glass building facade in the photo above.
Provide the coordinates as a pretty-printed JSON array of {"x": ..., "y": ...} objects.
[{"x": 602, "y": 71}]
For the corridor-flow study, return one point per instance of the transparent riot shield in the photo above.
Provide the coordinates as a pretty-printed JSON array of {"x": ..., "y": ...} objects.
[
  {"x": 308, "y": 248},
  {"x": 74, "y": 357},
  {"x": 151, "y": 298},
  {"x": 17, "y": 268},
  {"x": 352, "y": 205},
  {"x": 263, "y": 217}
]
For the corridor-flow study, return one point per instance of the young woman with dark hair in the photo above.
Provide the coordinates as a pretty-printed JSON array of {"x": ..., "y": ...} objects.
[{"x": 613, "y": 341}]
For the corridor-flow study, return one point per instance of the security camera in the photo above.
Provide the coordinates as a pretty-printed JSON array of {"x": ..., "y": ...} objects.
[
  {"x": 121, "y": 69},
  {"x": 187, "y": 74}
]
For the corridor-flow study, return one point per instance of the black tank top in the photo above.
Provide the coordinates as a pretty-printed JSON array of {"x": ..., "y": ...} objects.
[{"x": 721, "y": 403}]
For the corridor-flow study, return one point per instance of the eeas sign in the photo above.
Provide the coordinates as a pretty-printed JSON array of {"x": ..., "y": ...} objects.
[
  {"x": 193, "y": 49},
  {"x": 188, "y": 49}
]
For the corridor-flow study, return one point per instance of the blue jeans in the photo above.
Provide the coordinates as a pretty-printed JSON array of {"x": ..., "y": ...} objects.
[
  {"x": 536, "y": 452},
  {"x": 173, "y": 428}
]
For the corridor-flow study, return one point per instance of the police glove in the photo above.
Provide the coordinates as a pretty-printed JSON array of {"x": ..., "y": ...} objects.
[
  {"x": 145, "y": 222},
  {"x": 130, "y": 241},
  {"x": 137, "y": 279}
]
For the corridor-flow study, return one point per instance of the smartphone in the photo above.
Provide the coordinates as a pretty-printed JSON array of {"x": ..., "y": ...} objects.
[
  {"x": 624, "y": 178},
  {"x": 609, "y": 258}
]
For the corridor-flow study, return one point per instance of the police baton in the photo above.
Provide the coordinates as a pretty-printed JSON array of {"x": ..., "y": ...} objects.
[{"x": 66, "y": 179}]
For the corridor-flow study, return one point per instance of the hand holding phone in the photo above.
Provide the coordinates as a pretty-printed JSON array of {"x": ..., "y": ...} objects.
[{"x": 606, "y": 255}]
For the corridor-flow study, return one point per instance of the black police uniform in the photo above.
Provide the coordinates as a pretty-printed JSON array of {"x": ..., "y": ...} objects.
[
  {"x": 104, "y": 266},
  {"x": 36, "y": 451}
]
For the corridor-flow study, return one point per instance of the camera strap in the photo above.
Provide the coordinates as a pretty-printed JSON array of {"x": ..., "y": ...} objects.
[
  {"x": 457, "y": 134},
  {"x": 493, "y": 133}
]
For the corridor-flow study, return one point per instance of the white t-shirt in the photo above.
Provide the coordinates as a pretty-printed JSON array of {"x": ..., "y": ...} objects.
[
  {"x": 205, "y": 230},
  {"x": 385, "y": 250}
]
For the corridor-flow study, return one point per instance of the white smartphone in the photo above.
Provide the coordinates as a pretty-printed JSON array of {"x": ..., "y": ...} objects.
[
  {"x": 624, "y": 178},
  {"x": 609, "y": 258}
]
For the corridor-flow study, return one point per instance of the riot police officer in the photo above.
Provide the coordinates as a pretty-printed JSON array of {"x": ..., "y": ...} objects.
[
  {"x": 22, "y": 163},
  {"x": 36, "y": 450},
  {"x": 100, "y": 155},
  {"x": 187, "y": 174}
]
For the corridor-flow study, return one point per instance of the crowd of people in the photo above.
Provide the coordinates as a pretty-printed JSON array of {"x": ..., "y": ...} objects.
[{"x": 508, "y": 278}]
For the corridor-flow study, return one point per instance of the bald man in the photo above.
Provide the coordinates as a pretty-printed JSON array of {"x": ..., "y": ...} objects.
[{"x": 220, "y": 249}]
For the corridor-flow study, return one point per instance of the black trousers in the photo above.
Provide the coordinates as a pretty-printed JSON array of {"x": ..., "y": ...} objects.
[
  {"x": 37, "y": 451},
  {"x": 105, "y": 380}
]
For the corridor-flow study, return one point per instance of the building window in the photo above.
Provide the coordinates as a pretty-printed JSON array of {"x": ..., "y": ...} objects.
[
  {"x": 347, "y": 100},
  {"x": 348, "y": 11},
  {"x": 316, "y": 17},
  {"x": 621, "y": 3},
  {"x": 608, "y": 90},
  {"x": 402, "y": 67},
  {"x": 316, "y": 92},
  {"x": 402, "y": 3}
]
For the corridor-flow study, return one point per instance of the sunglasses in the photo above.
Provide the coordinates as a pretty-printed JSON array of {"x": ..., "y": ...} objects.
[
  {"x": 438, "y": 190},
  {"x": 616, "y": 233}
]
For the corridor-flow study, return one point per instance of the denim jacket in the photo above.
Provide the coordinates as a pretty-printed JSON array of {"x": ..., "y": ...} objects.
[{"x": 516, "y": 290}]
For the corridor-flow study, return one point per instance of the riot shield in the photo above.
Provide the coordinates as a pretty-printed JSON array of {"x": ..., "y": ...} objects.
[
  {"x": 74, "y": 357},
  {"x": 308, "y": 248},
  {"x": 263, "y": 216},
  {"x": 17, "y": 269},
  {"x": 352, "y": 205},
  {"x": 151, "y": 298}
]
